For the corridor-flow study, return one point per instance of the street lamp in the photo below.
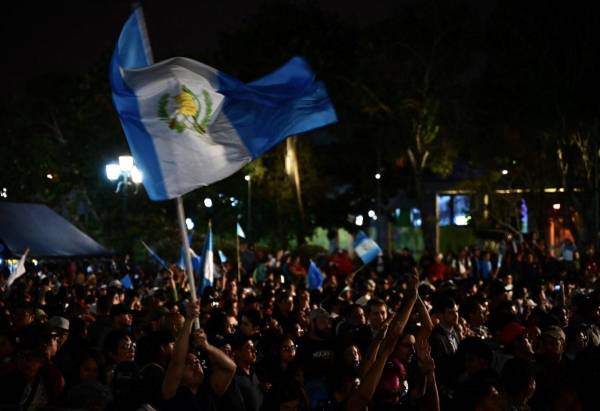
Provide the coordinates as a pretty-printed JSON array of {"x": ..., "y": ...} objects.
[
  {"x": 359, "y": 220},
  {"x": 125, "y": 172},
  {"x": 249, "y": 222},
  {"x": 379, "y": 224},
  {"x": 189, "y": 224},
  {"x": 127, "y": 175}
]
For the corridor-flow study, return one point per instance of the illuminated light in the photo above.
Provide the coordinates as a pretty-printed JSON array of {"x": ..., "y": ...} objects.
[
  {"x": 359, "y": 220},
  {"x": 49, "y": 176},
  {"x": 486, "y": 199},
  {"x": 189, "y": 224},
  {"x": 208, "y": 202},
  {"x": 377, "y": 176},
  {"x": 415, "y": 217},
  {"x": 247, "y": 177},
  {"x": 126, "y": 163},
  {"x": 371, "y": 213},
  {"x": 4, "y": 193},
  {"x": 512, "y": 191},
  {"x": 113, "y": 171},
  {"x": 556, "y": 206},
  {"x": 397, "y": 213},
  {"x": 504, "y": 172},
  {"x": 374, "y": 218},
  {"x": 136, "y": 175},
  {"x": 461, "y": 220}
]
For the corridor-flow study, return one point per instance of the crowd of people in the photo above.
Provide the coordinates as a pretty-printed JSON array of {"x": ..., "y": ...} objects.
[{"x": 517, "y": 328}]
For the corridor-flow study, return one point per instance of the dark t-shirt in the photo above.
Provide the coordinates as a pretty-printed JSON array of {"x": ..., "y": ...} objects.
[
  {"x": 250, "y": 389},
  {"x": 316, "y": 357},
  {"x": 185, "y": 400}
]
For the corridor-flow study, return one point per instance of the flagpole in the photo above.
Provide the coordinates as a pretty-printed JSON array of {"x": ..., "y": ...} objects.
[
  {"x": 179, "y": 201},
  {"x": 188, "y": 257},
  {"x": 239, "y": 263}
]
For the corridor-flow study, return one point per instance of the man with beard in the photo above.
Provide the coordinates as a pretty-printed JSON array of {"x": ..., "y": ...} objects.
[{"x": 316, "y": 356}]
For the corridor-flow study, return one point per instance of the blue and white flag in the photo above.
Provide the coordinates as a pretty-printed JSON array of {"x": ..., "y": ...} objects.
[
  {"x": 155, "y": 256},
  {"x": 19, "y": 270},
  {"x": 207, "y": 276},
  {"x": 240, "y": 232},
  {"x": 366, "y": 249},
  {"x": 189, "y": 125},
  {"x": 196, "y": 259},
  {"x": 222, "y": 257},
  {"x": 315, "y": 277}
]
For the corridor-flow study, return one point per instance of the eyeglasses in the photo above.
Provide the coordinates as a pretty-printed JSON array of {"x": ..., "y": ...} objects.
[
  {"x": 289, "y": 348},
  {"x": 128, "y": 346},
  {"x": 196, "y": 361}
]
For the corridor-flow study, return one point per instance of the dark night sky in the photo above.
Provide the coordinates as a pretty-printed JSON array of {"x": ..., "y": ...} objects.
[{"x": 67, "y": 36}]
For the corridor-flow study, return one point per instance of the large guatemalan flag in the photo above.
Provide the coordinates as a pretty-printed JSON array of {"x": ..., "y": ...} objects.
[{"x": 189, "y": 125}]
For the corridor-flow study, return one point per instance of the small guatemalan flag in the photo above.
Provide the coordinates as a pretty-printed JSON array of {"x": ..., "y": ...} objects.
[{"x": 366, "y": 249}]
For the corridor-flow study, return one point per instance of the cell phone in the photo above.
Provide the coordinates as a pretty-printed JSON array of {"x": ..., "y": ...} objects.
[{"x": 557, "y": 287}]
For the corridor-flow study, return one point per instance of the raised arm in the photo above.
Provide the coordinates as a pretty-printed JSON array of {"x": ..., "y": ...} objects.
[
  {"x": 426, "y": 323},
  {"x": 428, "y": 396},
  {"x": 363, "y": 395},
  {"x": 223, "y": 367},
  {"x": 403, "y": 315},
  {"x": 177, "y": 363},
  {"x": 372, "y": 351}
]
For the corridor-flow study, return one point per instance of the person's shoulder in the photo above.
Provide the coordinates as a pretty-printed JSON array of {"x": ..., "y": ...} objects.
[
  {"x": 184, "y": 399},
  {"x": 437, "y": 331}
]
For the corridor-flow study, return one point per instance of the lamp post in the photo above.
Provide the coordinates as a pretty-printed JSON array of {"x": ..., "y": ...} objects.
[
  {"x": 127, "y": 176},
  {"x": 378, "y": 214},
  {"x": 249, "y": 227}
]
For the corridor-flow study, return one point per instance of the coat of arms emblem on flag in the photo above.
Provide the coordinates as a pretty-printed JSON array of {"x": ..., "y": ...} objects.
[{"x": 187, "y": 110}]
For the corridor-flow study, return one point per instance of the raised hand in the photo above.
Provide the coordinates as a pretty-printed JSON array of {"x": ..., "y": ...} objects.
[
  {"x": 199, "y": 339},
  {"x": 192, "y": 309},
  {"x": 423, "y": 353},
  {"x": 413, "y": 284}
]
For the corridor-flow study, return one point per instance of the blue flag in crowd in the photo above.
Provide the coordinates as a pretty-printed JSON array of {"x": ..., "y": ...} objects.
[
  {"x": 155, "y": 256},
  {"x": 208, "y": 264},
  {"x": 126, "y": 281},
  {"x": 366, "y": 249},
  {"x": 196, "y": 259},
  {"x": 189, "y": 125},
  {"x": 222, "y": 257},
  {"x": 315, "y": 277}
]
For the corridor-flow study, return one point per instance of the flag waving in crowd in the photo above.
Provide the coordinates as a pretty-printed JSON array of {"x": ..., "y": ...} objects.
[
  {"x": 366, "y": 249},
  {"x": 19, "y": 270},
  {"x": 189, "y": 125},
  {"x": 240, "y": 232},
  {"x": 208, "y": 263},
  {"x": 315, "y": 277}
]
